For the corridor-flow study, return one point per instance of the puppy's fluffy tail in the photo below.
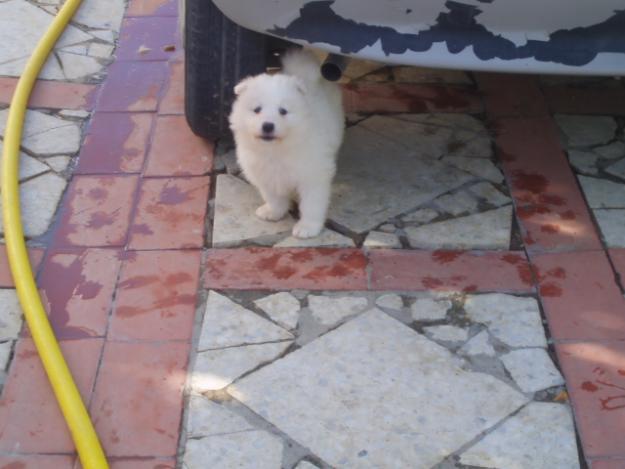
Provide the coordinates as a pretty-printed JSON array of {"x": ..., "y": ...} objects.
[{"x": 302, "y": 64}]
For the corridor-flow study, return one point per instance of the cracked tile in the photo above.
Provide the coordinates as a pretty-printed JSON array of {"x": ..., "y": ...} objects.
[
  {"x": 395, "y": 179},
  {"x": 306, "y": 465},
  {"x": 328, "y": 310},
  {"x": 19, "y": 41},
  {"x": 235, "y": 221},
  {"x": 540, "y": 435},
  {"x": 47, "y": 134},
  {"x": 584, "y": 161},
  {"x": 249, "y": 450},
  {"x": 532, "y": 369},
  {"x": 29, "y": 166},
  {"x": 514, "y": 320},
  {"x": 39, "y": 198},
  {"x": 327, "y": 238},
  {"x": 208, "y": 418},
  {"x": 429, "y": 309},
  {"x": 365, "y": 371},
  {"x": 282, "y": 307},
  {"x": 478, "y": 345},
  {"x": 216, "y": 369},
  {"x": 617, "y": 169},
  {"x": 601, "y": 193},
  {"x": 490, "y": 194},
  {"x": 421, "y": 216},
  {"x": 586, "y": 130},
  {"x": 377, "y": 239},
  {"x": 58, "y": 164},
  {"x": 612, "y": 224},
  {"x": 479, "y": 167},
  {"x": 97, "y": 15},
  {"x": 611, "y": 151},
  {"x": 457, "y": 204},
  {"x": 390, "y": 301},
  {"x": 486, "y": 230},
  {"x": 227, "y": 324},
  {"x": 5, "y": 353},
  {"x": 10, "y": 315},
  {"x": 447, "y": 333}
]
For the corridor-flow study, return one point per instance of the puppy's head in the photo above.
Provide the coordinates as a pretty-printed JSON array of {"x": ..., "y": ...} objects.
[{"x": 269, "y": 108}]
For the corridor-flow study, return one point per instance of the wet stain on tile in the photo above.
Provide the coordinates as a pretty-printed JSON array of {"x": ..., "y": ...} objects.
[
  {"x": 72, "y": 280},
  {"x": 170, "y": 214},
  {"x": 172, "y": 195},
  {"x": 115, "y": 143},
  {"x": 446, "y": 257},
  {"x": 132, "y": 86},
  {"x": 100, "y": 220},
  {"x": 157, "y": 295},
  {"x": 550, "y": 289}
]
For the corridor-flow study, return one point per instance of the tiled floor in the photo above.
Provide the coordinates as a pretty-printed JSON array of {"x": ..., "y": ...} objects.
[{"x": 463, "y": 308}]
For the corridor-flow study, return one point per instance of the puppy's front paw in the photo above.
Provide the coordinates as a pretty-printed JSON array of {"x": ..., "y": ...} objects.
[
  {"x": 265, "y": 212},
  {"x": 306, "y": 229}
]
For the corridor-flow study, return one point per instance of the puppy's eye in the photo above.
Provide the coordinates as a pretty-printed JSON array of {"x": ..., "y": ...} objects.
[
  {"x": 257, "y": 109},
  {"x": 282, "y": 111}
]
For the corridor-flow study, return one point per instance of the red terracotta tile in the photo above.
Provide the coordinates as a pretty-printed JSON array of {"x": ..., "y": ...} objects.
[
  {"x": 96, "y": 211},
  {"x": 377, "y": 97},
  {"x": 115, "y": 143},
  {"x": 170, "y": 214},
  {"x": 312, "y": 269},
  {"x": 450, "y": 271},
  {"x": 595, "y": 377},
  {"x": 608, "y": 464},
  {"x": 137, "y": 404},
  {"x": 176, "y": 151},
  {"x": 617, "y": 256},
  {"x": 132, "y": 86},
  {"x": 36, "y": 462},
  {"x": 173, "y": 99},
  {"x": 137, "y": 463},
  {"x": 30, "y": 419},
  {"x": 152, "y": 8},
  {"x": 608, "y": 100},
  {"x": 51, "y": 94},
  {"x": 580, "y": 296},
  {"x": 508, "y": 95},
  {"x": 156, "y": 296},
  {"x": 6, "y": 279},
  {"x": 147, "y": 38},
  {"x": 551, "y": 209},
  {"x": 77, "y": 291}
]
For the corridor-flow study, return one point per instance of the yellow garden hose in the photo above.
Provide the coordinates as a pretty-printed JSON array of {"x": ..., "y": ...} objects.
[{"x": 74, "y": 411}]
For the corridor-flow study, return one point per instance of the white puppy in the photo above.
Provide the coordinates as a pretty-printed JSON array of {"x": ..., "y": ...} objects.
[{"x": 288, "y": 128}]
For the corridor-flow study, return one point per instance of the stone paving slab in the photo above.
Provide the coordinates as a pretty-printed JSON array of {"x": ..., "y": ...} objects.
[
  {"x": 415, "y": 163},
  {"x": 376, "y": 367}
]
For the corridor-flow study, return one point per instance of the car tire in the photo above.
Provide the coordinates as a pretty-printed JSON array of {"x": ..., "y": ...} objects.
[{"x": 218, "y": 54}]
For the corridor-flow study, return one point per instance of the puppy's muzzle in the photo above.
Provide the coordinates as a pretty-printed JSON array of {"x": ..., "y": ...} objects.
[{"x": 268, "y": 129}]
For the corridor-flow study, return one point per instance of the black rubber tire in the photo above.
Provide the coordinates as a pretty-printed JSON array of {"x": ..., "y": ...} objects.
[{"x": 218, "y": 54}]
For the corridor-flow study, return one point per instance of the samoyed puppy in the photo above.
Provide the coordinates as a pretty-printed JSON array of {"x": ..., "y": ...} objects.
[{"x": 288, "y": 128}]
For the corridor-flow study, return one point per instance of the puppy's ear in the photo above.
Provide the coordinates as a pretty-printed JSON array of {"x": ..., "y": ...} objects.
[{"x": 240, "y": 87}]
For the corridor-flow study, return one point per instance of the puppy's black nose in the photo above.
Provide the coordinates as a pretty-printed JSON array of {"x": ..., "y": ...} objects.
[{"x": 268, "y": 127}]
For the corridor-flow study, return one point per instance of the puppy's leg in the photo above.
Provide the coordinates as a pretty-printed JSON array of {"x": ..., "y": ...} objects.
[
  {"x": 275, "y": 206},
  {"x": 313, "y": 207}
]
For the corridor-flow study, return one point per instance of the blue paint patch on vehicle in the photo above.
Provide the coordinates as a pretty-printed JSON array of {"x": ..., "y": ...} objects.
[{"x": 458, "y": 28}]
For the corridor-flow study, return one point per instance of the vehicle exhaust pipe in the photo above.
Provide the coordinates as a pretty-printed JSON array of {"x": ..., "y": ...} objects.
[{"x": 333, "y": 67}]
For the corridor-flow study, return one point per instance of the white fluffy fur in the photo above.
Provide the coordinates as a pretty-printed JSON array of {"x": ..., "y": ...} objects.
[{"x": 300, "y": 162}]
